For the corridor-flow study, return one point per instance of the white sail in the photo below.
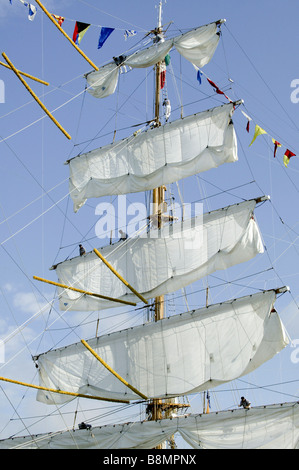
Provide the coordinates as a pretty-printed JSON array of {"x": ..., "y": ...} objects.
[
  {"x": 163, "y": 261},
  {"x": 180, "y": 355},
  {"x": 267, "y": 427},
  {"x": 103, "y": 82},
  {"x": 156, "y": 157},
  {"x": 198, "y": 46}
]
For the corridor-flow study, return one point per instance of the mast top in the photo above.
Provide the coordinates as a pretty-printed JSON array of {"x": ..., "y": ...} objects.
[{"x": 160, "y": 15}]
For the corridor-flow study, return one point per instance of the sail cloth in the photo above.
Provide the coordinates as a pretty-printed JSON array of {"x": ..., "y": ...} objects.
[
  {"x": 198, "y": 46},
  {"x": 156, "y": 157},
  {"x": 160, "y": 262},
  {"x": 180, "y": 355},
  {"x": 267, "y": 427}
]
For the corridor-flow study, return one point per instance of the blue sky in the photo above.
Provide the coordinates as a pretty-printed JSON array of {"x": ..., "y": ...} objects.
[{"x": 257, "y": 60}]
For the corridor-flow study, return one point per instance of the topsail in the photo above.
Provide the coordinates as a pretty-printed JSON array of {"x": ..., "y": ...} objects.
[
  {"x": 182, "y": 354},
  {"x": 163, "y": 261},
  {"x": 156, "y": 157},
  {"x": 265, "y": 427},
  {"x": 198, "y": 46}
]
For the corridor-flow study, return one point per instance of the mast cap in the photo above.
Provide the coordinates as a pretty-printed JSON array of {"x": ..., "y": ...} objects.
[
  {"x": 283, "y": 290},
  {"x": 263, "y": 198}
]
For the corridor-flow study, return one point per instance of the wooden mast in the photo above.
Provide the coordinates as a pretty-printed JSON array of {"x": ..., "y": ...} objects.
[
  {"x": 160, "y": 409},
  {"x": 158, "y": 200},
  {"x": 158, "y": 193}
]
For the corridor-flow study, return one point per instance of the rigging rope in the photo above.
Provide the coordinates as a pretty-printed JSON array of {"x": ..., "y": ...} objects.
[{"x": 293, "y": 243}]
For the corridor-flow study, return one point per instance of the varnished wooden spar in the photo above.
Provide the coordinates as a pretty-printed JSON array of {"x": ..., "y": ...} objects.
[
  {"x": 81, "y": 291},
  {"x": 112, "y": 371},
  {"x": 77, "y": 395},
  {"x": 158, "y": 409},
  {"x": 119, "y": 276},
  {"x": 26, "y": 75},
  {"x": 158, "y": 202},
  {"x": 35, "y": 96},
  {"x": 66, "y": 36}
]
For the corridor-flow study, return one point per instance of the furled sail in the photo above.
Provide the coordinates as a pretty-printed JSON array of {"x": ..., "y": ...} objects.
[
  {"x": 156, "y": 157},
  {"x": 198, "y": 46},
  {"x": 180, "y": 355},
  {"x": 267, "y": 427},
  {"x": 160, "y": 262}
]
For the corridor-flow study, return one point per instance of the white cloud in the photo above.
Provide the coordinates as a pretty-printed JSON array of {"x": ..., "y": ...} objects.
[
  {"x": 27, "y": 302},
  {"x": 17, "y": 342},
  {"x": 18, "y": 321},
  {"x": 8, "y": 287}
]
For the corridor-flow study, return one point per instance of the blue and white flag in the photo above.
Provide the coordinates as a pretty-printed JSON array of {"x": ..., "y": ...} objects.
[
  {"x": 199, "y": 75},
  {"x": 129, "y": 33},
  {"x": 32, "y": 10}
]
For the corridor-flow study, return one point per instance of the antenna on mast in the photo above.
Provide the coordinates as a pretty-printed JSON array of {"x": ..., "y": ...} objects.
[
  {"x": 158, "y": 31},
  {"x": 160, "y": 15}
]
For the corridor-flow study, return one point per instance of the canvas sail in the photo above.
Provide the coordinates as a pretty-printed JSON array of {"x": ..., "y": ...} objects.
[
  {"x": 267, "y": 427},
  {"x": 180, "y": 355},
  {"x": 156, "y": 157},
  {"x": 198, "y": 46},
  {"x": 163, "y": 261}
]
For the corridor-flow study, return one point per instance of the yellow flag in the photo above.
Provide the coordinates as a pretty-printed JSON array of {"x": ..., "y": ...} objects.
[{"x": 258, "y": 131}]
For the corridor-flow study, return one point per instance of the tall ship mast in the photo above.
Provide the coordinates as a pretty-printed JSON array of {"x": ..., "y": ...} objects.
[{"x": 161, "y": 364}]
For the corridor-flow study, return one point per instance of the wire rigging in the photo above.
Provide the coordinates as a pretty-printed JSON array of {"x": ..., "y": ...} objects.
[{"x": 84, "y": 321}]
